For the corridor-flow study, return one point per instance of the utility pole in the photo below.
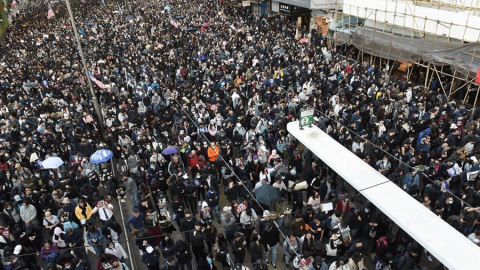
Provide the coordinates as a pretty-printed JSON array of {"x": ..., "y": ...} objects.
[{"x": 87, "y": 75}]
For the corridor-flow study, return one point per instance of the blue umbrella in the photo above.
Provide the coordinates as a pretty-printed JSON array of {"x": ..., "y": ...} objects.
[
  {"x": 170, "y": 150},
  {"x": 191, "y": 29},
  {"x": 102, "y": 155},
  {"x": 279, "y": 51},
  {"x": 167, "y": 8},
  {"x": 129, "y": 16}
]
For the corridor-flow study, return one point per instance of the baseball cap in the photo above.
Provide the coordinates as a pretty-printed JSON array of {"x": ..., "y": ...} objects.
[{"x": 17, "y": 250}]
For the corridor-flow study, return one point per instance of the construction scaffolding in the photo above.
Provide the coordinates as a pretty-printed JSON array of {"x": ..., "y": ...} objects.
[{"x": 441, "y": 37}]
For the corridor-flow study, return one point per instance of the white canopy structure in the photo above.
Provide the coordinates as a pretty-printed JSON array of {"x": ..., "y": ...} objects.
[{"x": 449, "y": 246}]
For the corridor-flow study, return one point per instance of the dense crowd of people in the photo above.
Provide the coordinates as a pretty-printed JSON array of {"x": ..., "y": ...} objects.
[{"x": 220, "y": 88}]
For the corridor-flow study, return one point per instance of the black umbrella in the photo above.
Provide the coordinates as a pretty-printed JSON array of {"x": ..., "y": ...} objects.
[
  {"x": 267, "y": 195},
  {"x": 178, "y": 17},
  {"x": 191, "y": 29}
]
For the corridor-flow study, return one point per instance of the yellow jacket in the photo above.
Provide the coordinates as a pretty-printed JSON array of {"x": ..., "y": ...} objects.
[{"x": 88, "y": 211}]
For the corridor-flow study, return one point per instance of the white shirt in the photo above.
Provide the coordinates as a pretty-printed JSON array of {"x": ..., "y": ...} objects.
[
  {"x": 473, "y": 238},
  {"x": 105, "y": 213},
  {"x": 116, "y": 251}
]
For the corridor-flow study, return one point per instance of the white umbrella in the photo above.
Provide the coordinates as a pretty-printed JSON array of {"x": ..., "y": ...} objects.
[
  {"x": 33, "y": 157},
  {"x": 52, "y": 163}
]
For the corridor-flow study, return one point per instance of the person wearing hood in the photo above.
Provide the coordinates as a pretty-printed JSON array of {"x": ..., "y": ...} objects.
[
  {"x": 318, "y": 264},
  {"x": 58, "y": 238},
  {"x": 197, "y": 239},
  {"x": 205, "y": 213},
  {"x": 151, "y": 258},
  {"x": 183, "y": 254}
]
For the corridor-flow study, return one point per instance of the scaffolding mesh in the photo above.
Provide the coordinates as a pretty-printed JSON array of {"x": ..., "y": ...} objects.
[{"x": 462, "y": 57}]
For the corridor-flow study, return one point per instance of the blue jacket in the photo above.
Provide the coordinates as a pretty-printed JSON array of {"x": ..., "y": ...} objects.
[{"x": 97, "y": 234}]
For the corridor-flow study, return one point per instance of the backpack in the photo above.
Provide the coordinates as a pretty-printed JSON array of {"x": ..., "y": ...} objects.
[{"x": 381, "y": 240}]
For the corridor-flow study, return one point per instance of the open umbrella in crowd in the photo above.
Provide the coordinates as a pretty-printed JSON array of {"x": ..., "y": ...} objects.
[{"x": 195, "y": 126}]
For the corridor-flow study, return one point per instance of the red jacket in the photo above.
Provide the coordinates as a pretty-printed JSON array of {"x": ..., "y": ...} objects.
[
  {"x": 342, "y": 204},
  {"x": 192, "y": 160}
]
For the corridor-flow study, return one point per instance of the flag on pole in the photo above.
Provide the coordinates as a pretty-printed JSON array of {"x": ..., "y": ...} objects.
[
  {"x": 97, "y": 82},
  {"x": 174, "y": 23},
  {"x": 137, "y": 89},
  {"x": 50, "y": 13},
  {"x": 477, "y": 77}
]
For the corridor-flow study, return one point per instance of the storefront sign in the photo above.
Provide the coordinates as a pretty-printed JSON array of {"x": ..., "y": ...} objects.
[
  {"x": 284, "y": 8},
  {"x": 291, "y": 9}
]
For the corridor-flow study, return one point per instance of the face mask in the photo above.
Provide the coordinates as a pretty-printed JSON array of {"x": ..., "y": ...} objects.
[
  {"x": 37, "y": 175},
  {"x": 255, "y": 161},
  {"x": 367, "y": 210},
  {"x": 110, "y": 246},
  {"x": 450, "y": 202}
]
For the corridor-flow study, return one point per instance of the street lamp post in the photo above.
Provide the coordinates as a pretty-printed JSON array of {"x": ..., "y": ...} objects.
[{"x": 87, "y": 75}]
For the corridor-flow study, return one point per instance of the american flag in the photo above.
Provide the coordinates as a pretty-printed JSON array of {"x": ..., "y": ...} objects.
[
  {"x": 174, "y": 23},
  {"x": 97, "y": 82},
  {"x": 50, "y": 13}
]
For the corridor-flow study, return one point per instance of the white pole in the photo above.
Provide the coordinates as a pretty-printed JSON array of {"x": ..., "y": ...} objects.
[
  {"x": 80, "y": 50},
  {"x": 130, "y": 254}
]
